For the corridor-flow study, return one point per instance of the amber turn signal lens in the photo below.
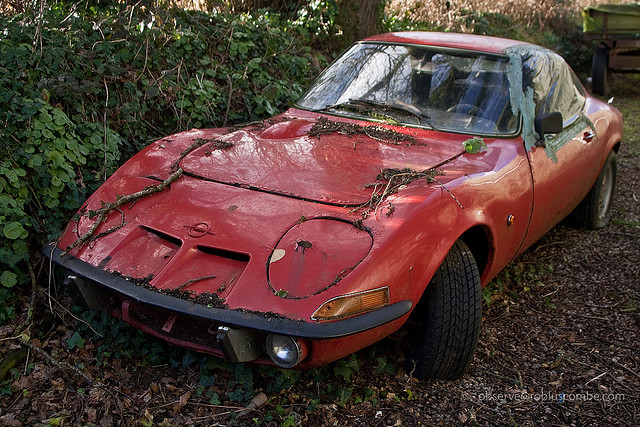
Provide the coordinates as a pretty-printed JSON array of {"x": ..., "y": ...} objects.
[{"x": 352, "y": 304}]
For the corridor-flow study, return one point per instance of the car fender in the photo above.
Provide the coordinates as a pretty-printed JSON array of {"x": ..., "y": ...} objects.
[{"x": 607, "y": 121}]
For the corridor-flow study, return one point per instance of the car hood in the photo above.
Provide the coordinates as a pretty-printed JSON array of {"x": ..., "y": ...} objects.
[
  {"x": 283, "y": 157},
  {"x": 224, "y": 227}
]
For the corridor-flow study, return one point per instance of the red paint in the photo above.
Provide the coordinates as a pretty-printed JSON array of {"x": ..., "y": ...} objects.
[
  {"x": 318, "y": 254},
  {"x": 451, "y": 40}
]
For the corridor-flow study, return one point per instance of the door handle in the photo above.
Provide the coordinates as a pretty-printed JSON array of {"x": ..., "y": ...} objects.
[{"x": 588, "y": 136}]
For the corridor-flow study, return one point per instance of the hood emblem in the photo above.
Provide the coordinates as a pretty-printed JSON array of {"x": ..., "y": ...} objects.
[{"x": 198, "y": 230}]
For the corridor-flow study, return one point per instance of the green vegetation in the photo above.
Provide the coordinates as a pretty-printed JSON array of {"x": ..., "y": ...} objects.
[
  {"x": 474, "y": 145},
  {"x": 515, "y": 282}
]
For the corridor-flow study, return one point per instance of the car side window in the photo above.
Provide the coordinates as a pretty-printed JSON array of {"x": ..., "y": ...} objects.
[{"x": 555, "y": 86}]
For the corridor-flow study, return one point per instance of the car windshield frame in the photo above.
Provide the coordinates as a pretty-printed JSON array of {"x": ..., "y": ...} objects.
[{"x": 414, "y": 85}]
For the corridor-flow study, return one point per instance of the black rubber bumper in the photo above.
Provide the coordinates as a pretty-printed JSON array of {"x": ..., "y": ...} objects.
[{"x": 227, "y": 317}]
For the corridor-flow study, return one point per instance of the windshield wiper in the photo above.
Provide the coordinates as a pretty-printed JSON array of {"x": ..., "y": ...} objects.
[
  {"x": 363, "y": 108},
  {"x": 399, "y": 106}
]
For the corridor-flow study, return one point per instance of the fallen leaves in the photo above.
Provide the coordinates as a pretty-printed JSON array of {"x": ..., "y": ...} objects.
[{"x": 324, "y": 126}]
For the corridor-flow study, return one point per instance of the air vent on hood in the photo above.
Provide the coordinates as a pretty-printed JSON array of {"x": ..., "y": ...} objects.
[{"x": 142, "y": 253}]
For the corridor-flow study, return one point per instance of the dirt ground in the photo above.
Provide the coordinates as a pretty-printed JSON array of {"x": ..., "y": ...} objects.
[{"x": 559, "y": 345}]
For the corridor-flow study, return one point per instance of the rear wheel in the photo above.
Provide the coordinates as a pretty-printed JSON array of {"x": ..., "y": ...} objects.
[
  {"x": 595, "y": 210},
  {"x": 451, "y": 323}
]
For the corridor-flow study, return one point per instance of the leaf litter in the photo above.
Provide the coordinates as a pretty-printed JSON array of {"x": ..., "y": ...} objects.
[{"x": 324, "y": 126}]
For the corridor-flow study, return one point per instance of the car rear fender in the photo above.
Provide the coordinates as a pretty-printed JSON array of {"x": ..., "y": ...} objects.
[{"x": 608, "y": 125}]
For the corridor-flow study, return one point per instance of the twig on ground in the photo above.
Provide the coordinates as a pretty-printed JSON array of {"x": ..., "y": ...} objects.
[
  {"x": 632, "y": 372},
  {"x": 32, "y": 301},
  {"x": 57, "y": 363},
  {"x": 226, "y": 112},
  {"x": 66, "y": 310}
]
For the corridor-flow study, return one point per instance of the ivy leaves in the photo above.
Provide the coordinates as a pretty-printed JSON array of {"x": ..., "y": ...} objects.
[
  {"x": 40, "y": 175},
  {"x": 474, "y": 145},
  {"x": 99, "y": 89},
  {"x": 14, "y": 230},
  {"x": 8, "y": 279}
]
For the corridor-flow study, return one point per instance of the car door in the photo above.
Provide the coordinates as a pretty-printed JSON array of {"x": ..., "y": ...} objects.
[{"x": 563, "y": 165}]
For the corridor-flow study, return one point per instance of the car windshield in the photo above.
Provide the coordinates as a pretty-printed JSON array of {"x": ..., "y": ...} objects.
[{"x": 451, "y": 90}]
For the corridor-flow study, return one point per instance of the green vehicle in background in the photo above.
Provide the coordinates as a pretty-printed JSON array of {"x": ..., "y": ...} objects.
[{"x": 615, "y": 31}]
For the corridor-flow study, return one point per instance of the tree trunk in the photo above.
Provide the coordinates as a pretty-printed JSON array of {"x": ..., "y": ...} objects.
[{"x": 359, "y": 19}]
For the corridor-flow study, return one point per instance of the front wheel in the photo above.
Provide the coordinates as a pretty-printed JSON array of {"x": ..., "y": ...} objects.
[
  {"x": 451, "y": 324},
  {"x": 594, "y": 211}
]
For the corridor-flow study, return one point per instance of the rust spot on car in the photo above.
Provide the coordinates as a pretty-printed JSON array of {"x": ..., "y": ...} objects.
[
  {"x": 104, "y": 262},
  {"x": 304, "y": 244}
]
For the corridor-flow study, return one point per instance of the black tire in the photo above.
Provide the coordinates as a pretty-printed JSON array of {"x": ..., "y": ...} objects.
[
  {"x": 600, "y": 69},
  {"x": 594, "y": 211},
  {"x": 451, "y": 323}
]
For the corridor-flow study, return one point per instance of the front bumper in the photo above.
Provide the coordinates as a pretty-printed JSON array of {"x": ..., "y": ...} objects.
[{"x": 156, "y": 313}]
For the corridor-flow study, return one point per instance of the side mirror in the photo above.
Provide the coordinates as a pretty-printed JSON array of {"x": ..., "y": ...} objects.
[
  {"x": 546, "y": 124},
  {"x": 549, "y": 123}
]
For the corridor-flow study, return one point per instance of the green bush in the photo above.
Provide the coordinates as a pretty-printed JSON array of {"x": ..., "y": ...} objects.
[{"x": 82, "y": 91}]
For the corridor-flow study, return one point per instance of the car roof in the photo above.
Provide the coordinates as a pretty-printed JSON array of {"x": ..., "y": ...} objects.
[{"x": 450, "y": 40}]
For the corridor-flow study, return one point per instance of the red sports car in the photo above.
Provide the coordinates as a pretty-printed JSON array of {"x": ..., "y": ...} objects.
[{"x": 407, "y": 176}]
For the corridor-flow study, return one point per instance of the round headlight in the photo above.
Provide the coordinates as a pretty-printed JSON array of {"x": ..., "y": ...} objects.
[{"x": 286, "y": 352}]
